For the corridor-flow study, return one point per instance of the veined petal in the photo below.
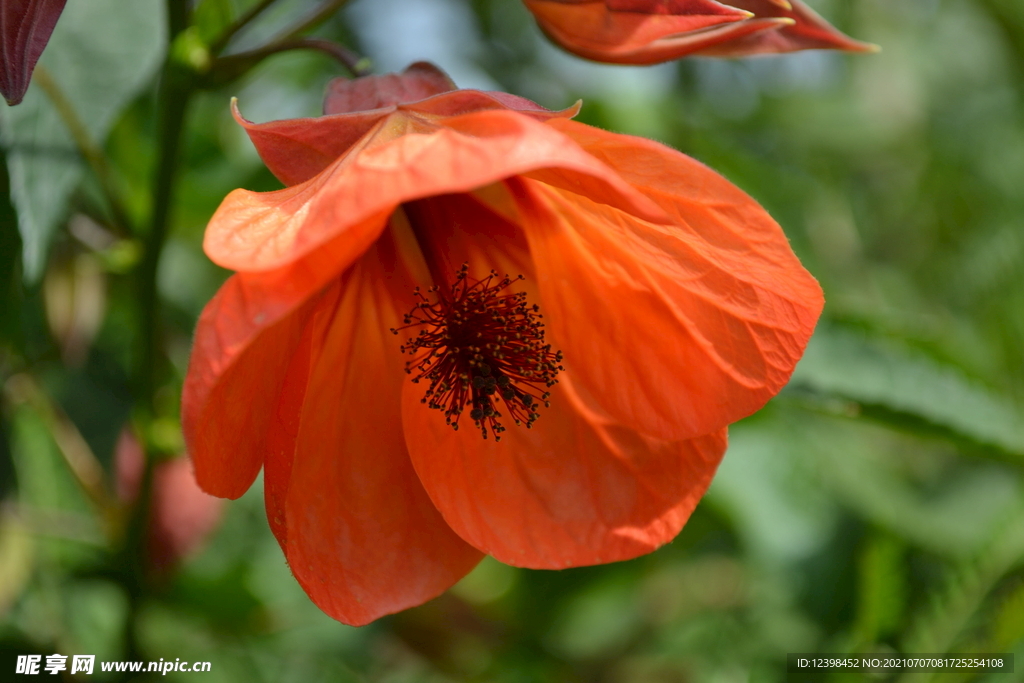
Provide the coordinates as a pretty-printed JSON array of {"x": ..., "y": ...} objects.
[
  {"x": 244, "y": 342},
  {"x": 676, "y": 331},
  {"x": 263, "y": 231},
  {"x": 360, "y": 533},
  {"x": 576, "y": 489},
  {"x": 699, "y": 200},
  {"x": 295, "y": 150}
]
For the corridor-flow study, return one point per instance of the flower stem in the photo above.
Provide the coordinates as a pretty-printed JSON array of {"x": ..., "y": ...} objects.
[
  {"x": 89, "y": 150},
  {"x": 175, "y": 91},
  {"x": 356, "y": 65},
  {"x": 224, "y": 38},
  {"x": 315, "y": 18}
]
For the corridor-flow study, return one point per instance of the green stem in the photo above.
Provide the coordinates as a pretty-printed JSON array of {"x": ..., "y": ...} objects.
[
  {"x": 232, "y": 66},
  {"x": 175, "y": 90},
  {"x": 316, "y": 18},
  {"x": 89, "y": 150},
  {"x": 222, "y": 41}
]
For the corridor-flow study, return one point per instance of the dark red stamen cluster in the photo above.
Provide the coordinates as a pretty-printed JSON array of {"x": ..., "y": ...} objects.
[{"x": 481, "y": 347}]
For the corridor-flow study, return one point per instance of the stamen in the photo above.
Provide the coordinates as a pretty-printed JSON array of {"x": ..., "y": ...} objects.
[{"x": 481, "y": 348}]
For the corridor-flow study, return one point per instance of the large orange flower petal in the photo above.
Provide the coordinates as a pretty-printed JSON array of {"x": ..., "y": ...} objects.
[
  {"x": 295, "y": 150},
  {"x": 262, "y": 231},
  {"x": 468, "y": 101},
  {"x": 674, "y": 333},
  {"x": 702, "y": 203},
  {"x": 361, "y": 535},
  {"x": 576, "y": 489},
  {"x": 243, "y": 344}
]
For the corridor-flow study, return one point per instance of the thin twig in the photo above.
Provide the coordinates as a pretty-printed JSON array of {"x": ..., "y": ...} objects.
[
  {"x": 312, "y": 21},
  {"x": 224, "y": 38},
  {"x": 356, "y": 65},
  {"x": 89, "y": 150}
]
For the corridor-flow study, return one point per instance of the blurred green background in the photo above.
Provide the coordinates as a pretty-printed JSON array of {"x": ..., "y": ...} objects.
[{"x": 875, "y": 505}]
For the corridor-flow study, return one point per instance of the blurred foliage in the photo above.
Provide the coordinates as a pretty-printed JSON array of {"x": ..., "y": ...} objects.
[{"x": 875, "y": 505}]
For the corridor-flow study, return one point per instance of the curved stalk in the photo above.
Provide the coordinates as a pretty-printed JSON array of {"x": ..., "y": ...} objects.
[{"x": 89, "y": 150}]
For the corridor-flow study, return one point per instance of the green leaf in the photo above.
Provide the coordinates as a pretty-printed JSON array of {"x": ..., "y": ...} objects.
[
  {"x": 875, "y": 373},
  {"x": 16, "y": 559},
  {"x": 860, "y": 464},
  {"x": 771, "y": 496},
  {"x": 1008, "y": 624},
  {"x": 787, "y": 470},
  {"x": 939, "y": 625},
  {"x": 881, "y": 589},
  {"x": 101, "y": 55}
]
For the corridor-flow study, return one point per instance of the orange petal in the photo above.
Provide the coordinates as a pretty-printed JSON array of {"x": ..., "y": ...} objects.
[
  {"x": 361, "y": 535},
  {"x": 283, "y": 426},
  {"x": 295, "y": 150},
  {"x": 652, "y": 31},
  {"x": 263, "y": 231},
  {"x": 630, "y": 33},
  {"x": 676, "y": 330},
  {"x": 576, "y": 489},
  {"x": 803, "y": 30},
  {"x": 244, "y": 342},
  {"x": 461, "y": 102},
  {"x": 418, "y": 82},
  {"x": 640, "y": 34}
]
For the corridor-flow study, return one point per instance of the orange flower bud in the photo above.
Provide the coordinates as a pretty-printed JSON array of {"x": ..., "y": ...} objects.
[{"x": 652, "y": 31}]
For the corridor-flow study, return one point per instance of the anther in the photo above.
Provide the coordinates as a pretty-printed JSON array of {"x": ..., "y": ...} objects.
[{"x": 478, "y": 347}]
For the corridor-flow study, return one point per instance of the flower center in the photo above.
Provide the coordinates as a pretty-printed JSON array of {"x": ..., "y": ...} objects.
[{"x": 483, "y": 347}]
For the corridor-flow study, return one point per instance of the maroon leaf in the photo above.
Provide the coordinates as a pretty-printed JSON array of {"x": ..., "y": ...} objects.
[{"x": 25, "y": 28}]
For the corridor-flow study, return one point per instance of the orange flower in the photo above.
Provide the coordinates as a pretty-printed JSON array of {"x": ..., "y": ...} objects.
[
  {"x": 672, "y": 305},
  {"x": 652, "y": 31}
]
